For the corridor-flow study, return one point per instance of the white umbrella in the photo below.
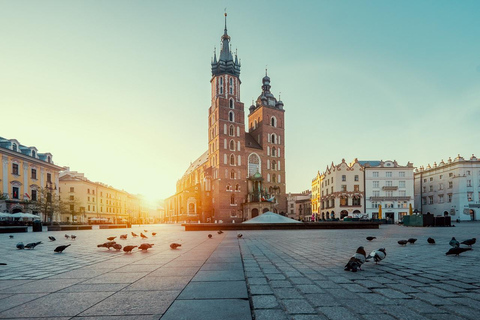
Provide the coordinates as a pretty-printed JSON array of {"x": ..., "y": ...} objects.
[
  {"x": 4, "y": 215},
  {"x": 17, "y": 215},
  {"x": 30, "y": 215}
]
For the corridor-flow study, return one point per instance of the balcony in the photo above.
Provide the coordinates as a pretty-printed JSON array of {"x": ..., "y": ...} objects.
[{"x": 390, "y": 188}]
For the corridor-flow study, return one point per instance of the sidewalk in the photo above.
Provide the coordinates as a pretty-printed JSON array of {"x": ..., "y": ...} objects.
[{"x": 266, "y": 275}]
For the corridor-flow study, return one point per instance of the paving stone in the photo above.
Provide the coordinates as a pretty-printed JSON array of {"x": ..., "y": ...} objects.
[
  {"x": 215, "y": 290},
  {"x": 265, "y": 302},
  {"x": 294, "y": 306},
  {"x": 287, "y": 293},
  {"x": 280, "y": 284},
  {"x": 159, "y": 284},
  {"x": 404, "y": 313},
  {"x": 260, "y": 289},
  {"x": 217, "y": 309},
  {"x": 393, "y": 294},
  {"x": 270, "y": 314},
  {"x": 337, "y": 313},
  {"x": 322, "y": 300},
  {"x": 219, "y": 275}
]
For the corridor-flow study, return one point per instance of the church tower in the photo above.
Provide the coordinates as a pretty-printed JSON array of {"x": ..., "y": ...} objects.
[
  {"x": 226, "y": 136},
  {"x": 266, "y": 121}
]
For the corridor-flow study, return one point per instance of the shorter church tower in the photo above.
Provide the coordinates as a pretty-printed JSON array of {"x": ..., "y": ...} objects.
[{"x": 267, "y": 127}]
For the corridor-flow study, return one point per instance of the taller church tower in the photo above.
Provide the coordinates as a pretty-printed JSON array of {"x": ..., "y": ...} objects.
[{"x": 226, "y": 136}]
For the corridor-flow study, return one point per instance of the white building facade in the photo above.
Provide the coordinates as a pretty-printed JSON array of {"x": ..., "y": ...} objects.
[
  {"x": 391, "y": 186},
  {"x": 341, "y": 191},
  {"x": 451, "y": 188}
]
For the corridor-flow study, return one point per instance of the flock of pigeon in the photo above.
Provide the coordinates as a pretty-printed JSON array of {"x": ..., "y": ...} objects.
[
  {"x": 128, "y": 249},
  {"x": 360, "y": 256}
]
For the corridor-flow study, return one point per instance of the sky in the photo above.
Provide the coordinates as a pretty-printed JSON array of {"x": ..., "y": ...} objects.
[{"x": 120, "y": 90}]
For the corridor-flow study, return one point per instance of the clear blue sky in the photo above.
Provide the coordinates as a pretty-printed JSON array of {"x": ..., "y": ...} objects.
[{"x": 120, "y": 90}]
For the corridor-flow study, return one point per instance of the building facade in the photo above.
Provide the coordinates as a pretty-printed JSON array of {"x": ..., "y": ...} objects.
[
  {"x": 316, "y": 195},
  {"x": 26, "y": 174},
  {"x": 95, "y": 202},
  {"x": 450, "y": 188},
  {"x": 342, "y": 191},
  {"x": 300, "y": 206},
  {"x": 242, "y": 174},
  {"x": 389, "y": 186}
]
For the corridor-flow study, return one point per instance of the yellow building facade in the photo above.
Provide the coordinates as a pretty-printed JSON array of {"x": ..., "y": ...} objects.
[
  {"x": 95, "y": 202},
  {"x": 24, "y": 174},
  {"x": 316, "y": 187}
]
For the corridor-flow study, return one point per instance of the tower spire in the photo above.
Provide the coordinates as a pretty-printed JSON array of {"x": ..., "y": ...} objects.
[{"x": 226, "y": 62}]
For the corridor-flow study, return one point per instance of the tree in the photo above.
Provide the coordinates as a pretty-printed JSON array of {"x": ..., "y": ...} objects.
[{"x": 47, "y": 204}]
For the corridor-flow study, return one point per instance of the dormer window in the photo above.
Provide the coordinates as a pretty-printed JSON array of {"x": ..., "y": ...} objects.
[
  {"x": 14, "y": 146},
  {"x": 34, "y": 154}
]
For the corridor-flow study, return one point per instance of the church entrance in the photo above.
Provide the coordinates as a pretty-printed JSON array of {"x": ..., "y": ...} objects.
[{"x": 254, "y": 213}]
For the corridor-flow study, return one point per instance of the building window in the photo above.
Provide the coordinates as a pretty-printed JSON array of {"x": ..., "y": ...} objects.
[
  {"x": 470, "y": 196},
  {"x": 232, "y": 160},
  {"x": 376, "y": 193},
  {"x": 401, "y": 174},
  {"x": 274, "y": 138},
  {"x": 15, "y": 169},
  {"x": 356, "y": 177},
  {"x": 274, "y": 152},
  {"x": 356, "y": 201},
  {"x": 49, "y": 177},
  {"x": 34, "y": 174},
  {"x": 232, "y": 145},
  {"x": 344, "y": 187},
  {"x": 440, "y": 186},
  {"x": 231, "y": 131},
  {"x": 231, "y": 100},
  {"x": 449, "y": 197},
  {"x": 468, "y": 172},
  {"x": 375, "y": 174},
  {"x": 273, "y": 122},
  {"x": 232, "y": 199},
  {"x": 401, "y": 184},
  {"x": 388, "y": 183},
  {"x": 72, "y": 189},
  {"x": 356, "y": 188},
  {"x": 450, "y": 184},
  {"x": 237, "y": 187},
  {"x": 228, "y": 187},
  {"x": 440, "y": 198},
  {"x": 15, "y": 193},
  {"x": 71, "y": 198},
  {"x": 430, "y": 188},
  {"x": 274, "y": 165},
  {"x": 469, "y": 183},
  {"x": 14, "y": 147},
  {"x": 232, "y": 174},
  {"x": 389, "y": 193},
  {"x": 376, "y": 184},
  {"x": 430, "y": 199},
  {"x": 388, "y": 174},
  {"x": 441, "y": 176},
  {"x": 34, "y": 195},
  {"x": 403, "y": 193},
  {"x": 344, "y": 178},
  {"x": 231, "y": 116}
]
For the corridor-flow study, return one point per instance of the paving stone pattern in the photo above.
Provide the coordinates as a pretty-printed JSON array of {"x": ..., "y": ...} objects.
[{"x": 264, "y": 275}]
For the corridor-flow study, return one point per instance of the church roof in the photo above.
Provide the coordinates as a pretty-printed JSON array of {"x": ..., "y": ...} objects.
[
  {"x": 226, "y": 63},
  {"x": 271, "y": 217},
  {"x": 250, "y": 142},
  {"x": 198, "y": 162}
]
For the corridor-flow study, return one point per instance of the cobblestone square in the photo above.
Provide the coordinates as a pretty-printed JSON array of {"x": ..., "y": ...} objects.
[{"x": 264, "y": 275}]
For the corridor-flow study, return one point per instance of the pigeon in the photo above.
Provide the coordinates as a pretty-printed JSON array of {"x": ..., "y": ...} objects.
[
  {"x": 107, "y": 245},
  {"x": 175, "y": 245},
  {"x": 10, "y": 236},
  {"x": 129, "y": 248},
  {"x": 371, "y": 238},
  {"x": 145, "y": 246},
  {"x": 143, "y": 236},
  {"x": 51, "y": 238},
  {"x": 60, "y": 249},
  {"x": 117, "y": 246},
  {"x": 32, "y": 245},
  {"x": 2, "y": 264},
  {"x": 73, "y": 237},
  {"x": 111, "y": 238},
  {"x": 456, "y": 251},
  {"x": 356, "y": 261},
  {"x": 377, "y": 255},
  {"x": 412, "y": 240},
  {"x": 20, "y": 246},
  {"x": 402, "y": 242},
  {"x": 239, "y": 235},
  {"x": 431, "y": 240},
  {"x": 219, "y": 231},
  {"x": 145, "y": 230},
  {"x": 67, "y": 236},
  {"x": 154, "y": 233},
  {"x": 134, "y": 234},
  {"x": 454, "y": 243},
  {"x": 469, "y": 242},
  {"x": 209, "y": 236},
  {"x": 123, "y": 236}
]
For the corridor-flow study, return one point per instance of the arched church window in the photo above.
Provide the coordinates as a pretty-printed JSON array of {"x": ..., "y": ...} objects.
[
  {"x": 232, "y": 160},
  {"x": 232, "y": 145},
  {"x": 231, "y": 103},
  {"x": 274, "y": 152},
  {"x": 253, "y": 164},
  {"x": 273, "y": 122},
  {"x": 232, "y": 174},
  {"x": 237, "y": 187},
  {"x": 231, "y": 116},
  {"x": 274, "y": 138},
  {"x": 274, "y": 178},
  {"x": 274, "y": 165},
  {"x": 231, "y": 131}
]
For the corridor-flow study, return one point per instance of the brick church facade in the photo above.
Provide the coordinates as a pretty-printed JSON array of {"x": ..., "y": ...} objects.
[{"x": 242, "y": 174}]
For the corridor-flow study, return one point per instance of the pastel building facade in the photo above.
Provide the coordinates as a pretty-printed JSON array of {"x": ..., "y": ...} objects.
[
  {"x": 23, "y": 174},
  {"x": 449, "y": 188}
]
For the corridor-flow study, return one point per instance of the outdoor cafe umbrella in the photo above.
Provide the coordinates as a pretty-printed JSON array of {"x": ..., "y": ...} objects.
[{"x": 380, "y": 212}]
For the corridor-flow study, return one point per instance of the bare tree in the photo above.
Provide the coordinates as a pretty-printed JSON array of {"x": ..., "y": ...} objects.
[{"x": 47, "y": 204}]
